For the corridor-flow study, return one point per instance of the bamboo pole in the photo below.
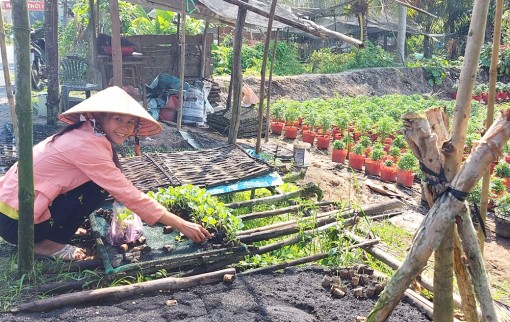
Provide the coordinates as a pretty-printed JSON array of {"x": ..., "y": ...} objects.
[
  {"x": 116, "y": 50},
  {"x": 493, "y": 73},
  {"x": 237, "y": 77},
  {"x": 7, "y": 78},
  {"x": 304, "y": 25},
  {"x": 279, "y": 211},
  {"x": 435, "y": 224},
  {"x": 270, "y": 82},
  {"x": 23, "y": 107},
  {"x": 273, "y": 199},
  {"x": 203, "y": 58},
  {"x": 182, "y": 63},
  {"x": 263, "y": 77},
  {"x": 166, "y": 284},
  {"x": 303, "y": 260}
]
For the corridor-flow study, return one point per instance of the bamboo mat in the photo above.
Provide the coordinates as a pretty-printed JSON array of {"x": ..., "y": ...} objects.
[{"x": 204, "y": 168}]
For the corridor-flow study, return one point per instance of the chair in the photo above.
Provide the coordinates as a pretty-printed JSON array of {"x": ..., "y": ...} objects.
[{"x": 78, "y": 75}]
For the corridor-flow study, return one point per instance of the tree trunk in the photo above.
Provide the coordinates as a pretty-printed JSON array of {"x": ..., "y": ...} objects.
[
  {"x": 270, "y": 82},
  {"x": 237, "y": 79},
  {"x": 51, "y": 37},
  {"x": 444, "y": 212},
  {"x": 401, "y": 36},
  {"x": 427, "y": 45},
  {"x": 23, "y": 105},
  {"x": 182, "y": 64},
  {"x": 116, "y": 50}
]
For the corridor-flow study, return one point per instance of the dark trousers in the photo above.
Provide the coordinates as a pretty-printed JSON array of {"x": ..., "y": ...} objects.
[{"x": 68, "y": 212}]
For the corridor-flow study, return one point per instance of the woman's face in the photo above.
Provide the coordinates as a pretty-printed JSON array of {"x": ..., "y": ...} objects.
[{"x": 118, "y": 127}]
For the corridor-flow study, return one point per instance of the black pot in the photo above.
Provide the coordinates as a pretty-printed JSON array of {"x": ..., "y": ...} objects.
[{"x": 502, "y": 226}]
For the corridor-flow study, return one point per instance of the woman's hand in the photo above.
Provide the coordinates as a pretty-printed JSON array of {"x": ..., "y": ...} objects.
[{"x": 195, "y": 232}]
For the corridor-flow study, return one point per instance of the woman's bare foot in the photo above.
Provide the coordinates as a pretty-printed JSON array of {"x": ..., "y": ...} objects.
[
  {"x": 58, "y": 250},
  {"x": 81, "y": 231}
]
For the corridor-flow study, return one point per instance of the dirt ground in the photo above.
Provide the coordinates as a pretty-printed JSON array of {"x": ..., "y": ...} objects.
[{"x": 294, "y": 295}]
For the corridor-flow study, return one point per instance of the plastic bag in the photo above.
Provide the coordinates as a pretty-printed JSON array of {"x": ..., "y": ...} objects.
[
  {"x": 126, "y": 226},
  {"x": 193, "y": 108}
]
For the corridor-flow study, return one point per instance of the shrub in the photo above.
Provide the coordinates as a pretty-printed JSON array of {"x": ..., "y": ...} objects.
[
  {"x": 503, "y": 206},
  {"x": 358, "y": 149},
  {"x": 502, "y": 170},
  {"x": 339, "y": 145},
  {"x": 376, "y": 154},
  {"x": 407, "y": 162}
]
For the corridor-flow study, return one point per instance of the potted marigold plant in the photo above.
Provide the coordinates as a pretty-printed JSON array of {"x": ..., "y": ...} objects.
[
  {"x": 277, "y": 115},
  {"x": 373, "y": 162},
  {"x": 388, "y": 171},
  {"x": 291, "y": 117},
  {"x": 308, "y": 134},
  {"x": 325, "y": 121},
  {"x": 357, "y": 157},
  {"x": 342, "y": 124},
  {"x": 502, "y": 170},
  {"x": 502, "y": 216},
  {"x": 406, "y": 166},
  {"x": 339, "y": 151}
]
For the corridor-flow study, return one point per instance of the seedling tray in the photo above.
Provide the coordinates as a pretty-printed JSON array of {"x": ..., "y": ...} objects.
[{"x": 185, "y": 255}]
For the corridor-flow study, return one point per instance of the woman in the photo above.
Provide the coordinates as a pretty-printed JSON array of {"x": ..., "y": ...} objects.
[{"x": 77, "y": 168}]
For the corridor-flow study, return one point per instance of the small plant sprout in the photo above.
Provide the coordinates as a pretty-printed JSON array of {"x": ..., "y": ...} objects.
[
  {"x": 399, "y": 141},
  {"x": 389, "y": 163}
]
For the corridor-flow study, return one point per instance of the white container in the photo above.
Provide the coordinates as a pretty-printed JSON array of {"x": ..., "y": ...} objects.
[
  {"x": 302, "y": 156},
  {"x": 42, "y": 110}
]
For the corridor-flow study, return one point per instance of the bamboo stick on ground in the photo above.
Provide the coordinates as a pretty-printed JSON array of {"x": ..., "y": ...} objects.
[
  {"x": 268, "y": 213},
  {"x": 169, "y": 283},
  {"x": 303, "y": 260},
  {"x": 310, "y": 188}
]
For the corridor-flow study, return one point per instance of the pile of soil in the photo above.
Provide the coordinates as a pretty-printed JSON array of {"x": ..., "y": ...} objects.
[{"x": 294, "y": 295}]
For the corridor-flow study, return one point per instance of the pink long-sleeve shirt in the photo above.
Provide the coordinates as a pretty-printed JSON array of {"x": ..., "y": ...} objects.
[{"x": 71, "y": 160}]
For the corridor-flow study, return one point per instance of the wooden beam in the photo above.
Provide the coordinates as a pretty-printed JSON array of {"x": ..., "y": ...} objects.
[{"x": 305, "y": 25}]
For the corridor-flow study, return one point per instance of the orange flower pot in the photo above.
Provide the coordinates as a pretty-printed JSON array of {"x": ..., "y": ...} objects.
[
  {"x": 388, "y": 173},
  {"x": 322, "y": 141},
  {"x": 338, "y": 156},
  {"x": 276, "y": 127},
  {"x": 356, "y": 161},
  {"x": 372, "y": 167},
  {"x": 308, "y": 136},
  {"x": 291, "y": 132},
  {"x": 405, "y": 178}
]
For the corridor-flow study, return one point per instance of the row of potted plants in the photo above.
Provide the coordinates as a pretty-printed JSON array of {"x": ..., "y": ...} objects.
[
  {"x": 481, "y": 92},
  {"x": 393, "y": 166}
]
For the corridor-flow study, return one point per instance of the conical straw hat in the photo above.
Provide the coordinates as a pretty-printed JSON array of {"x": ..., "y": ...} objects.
[{"x": 113, "y": 100}]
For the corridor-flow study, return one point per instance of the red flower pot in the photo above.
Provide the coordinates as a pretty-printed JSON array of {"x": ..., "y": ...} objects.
[
  {"x": 356, "y": 161},
  {"x": 304, "y": 128},
  {"x": 503, "y": 95},
  {"x": 323, "y": 141},
  {"x": 493, "y": 164},
  {"x": 388, "y": 173},
  {"x": 276, "y": 127},
  {"x": 405, "y": 178},
  {"x": 507, "y": 158},
  {"x": 372, "y": 167},
  {"x": 337, "y": 136},
  {"x": 454, "y": 95},
  {"x": 308, "y": 136},
  {"x": 338, "y": 156},
  {"x": 356, "y": 135},
  {"x": 290, "y": 132}
]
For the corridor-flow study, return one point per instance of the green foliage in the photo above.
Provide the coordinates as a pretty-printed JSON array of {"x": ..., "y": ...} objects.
[
  {"x": 394, "y": 152},
  {"x": 384, "y": 126},
  {"x": 407, "y": 162},
  {"x": 358, "y": 149},
  {"x": 338, "y": 145},
  {"x": 291, "y": 114},
  {"x": 502, "y": 170},
  {"x": 286, "y": 60},
  {"x": 277, "y": 110},
  {"x": 399, "y": 141},
  {"x": 325, "y": 61},
  {"x": 475, "y": 196},
  {"x": 325, "y": 121},
  {"x": 435, "y": 75},
  {"x": 497, "y": 185},
  {"x": 202, "y": 207},
  {"x": 504, "y": 59},
  {"x": 376, "y": 154},
  {"x": 503, "y": 206}
]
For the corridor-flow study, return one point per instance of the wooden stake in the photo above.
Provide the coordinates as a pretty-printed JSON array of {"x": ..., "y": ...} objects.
[
  {"x": 263, "y": 76},
  {"x": 7, "y": 78},
  {"x": 169, "y": 283}
]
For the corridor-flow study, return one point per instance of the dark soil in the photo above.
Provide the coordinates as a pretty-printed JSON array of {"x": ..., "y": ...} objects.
[{"x": 293, "y": 295}]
